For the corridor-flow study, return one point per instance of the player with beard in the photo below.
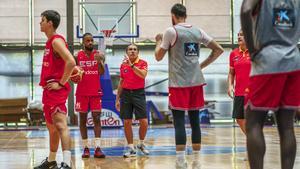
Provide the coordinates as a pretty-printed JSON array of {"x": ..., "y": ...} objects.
[
  {"x": 272, "y": 33},
  {"x": 89, "y": 92},
  {"x": 186, "y": 81}
]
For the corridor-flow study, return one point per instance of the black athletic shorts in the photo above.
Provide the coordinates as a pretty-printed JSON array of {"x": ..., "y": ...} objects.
[
  {"x": 238, "y": 107},
  {"x": 133, "y": 101}
]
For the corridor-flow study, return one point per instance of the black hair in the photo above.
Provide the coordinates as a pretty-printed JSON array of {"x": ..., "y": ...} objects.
[
  {"x": 86, "y": 34},
  {"x": 52, "y": 15},
  {"x": 179, "y": 10}
]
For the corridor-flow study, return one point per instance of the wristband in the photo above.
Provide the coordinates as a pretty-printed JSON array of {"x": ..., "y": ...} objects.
[{"x": 132, "y": 65}]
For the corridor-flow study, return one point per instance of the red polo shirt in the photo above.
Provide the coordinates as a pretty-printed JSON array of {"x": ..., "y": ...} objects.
[
  {"x": 241, "y": 64},
  {"x": 130, "y": 79}
]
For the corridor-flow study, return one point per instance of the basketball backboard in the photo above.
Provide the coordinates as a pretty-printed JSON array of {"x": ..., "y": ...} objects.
[{"x": 120, "y": 16}]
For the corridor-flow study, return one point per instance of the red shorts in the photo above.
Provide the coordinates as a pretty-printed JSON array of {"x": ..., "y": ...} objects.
[
  {"x": 55, "y": 102},
  {"x": 271, "y": 92},
  {"x": 56, "y": 97},
  {"x": 86, "y": 103},
  {"x": 186, "y": 98},
  {"x": 49, "y": 111}
]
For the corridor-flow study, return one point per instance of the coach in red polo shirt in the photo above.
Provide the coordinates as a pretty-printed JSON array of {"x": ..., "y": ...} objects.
[
  {"x": 131, "y": 98},
  {"x": 238, "y": 79}
]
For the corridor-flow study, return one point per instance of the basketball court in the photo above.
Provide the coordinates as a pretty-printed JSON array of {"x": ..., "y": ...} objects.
[
  {"x": 24, "y": 138},
  {"x": 223, "y": 146}
]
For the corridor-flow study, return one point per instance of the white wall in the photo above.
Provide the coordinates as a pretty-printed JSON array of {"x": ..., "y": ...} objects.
[
  {"x": 153, "y": 16},
  {"x": 14, "y": 21}
]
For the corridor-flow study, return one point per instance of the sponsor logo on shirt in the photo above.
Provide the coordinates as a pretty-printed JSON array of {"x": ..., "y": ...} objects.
[
  {"x": 235, "y": 58},
  {"x": 191, "y": 49},
  {"x": 46, "y": 64},
  {"x": 89, "y": 63},
  {"x": 78, "y": 106},
  {"x": 283, "y": 18},
  {"x": 89, "y": 72},
  {"x": 46, "y": 52}
]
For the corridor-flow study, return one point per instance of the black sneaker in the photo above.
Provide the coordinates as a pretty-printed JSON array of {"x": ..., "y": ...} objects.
[
  {"x": 47, "y": 165},
  {"x": 64, "y": 166}
]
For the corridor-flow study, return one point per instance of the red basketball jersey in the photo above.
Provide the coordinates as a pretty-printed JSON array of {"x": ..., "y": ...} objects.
[
  {"x": 52, "y": 70},
  {"x": 90, "y": 83},
  {"x": 53, "y": 65}
]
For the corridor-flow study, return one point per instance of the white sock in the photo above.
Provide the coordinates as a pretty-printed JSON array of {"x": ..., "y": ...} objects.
[
  {"x": 196, "y": 155},
  {"x": 180, "y": 155},
  {"x": 52, "y": 156},
  {"x": 97, "y": 142},
  {"x": 131, "y": 146},
  {"x": 141, "y": 142},
  {"x": 85, "y": 143},
  {"x": 67, "y": 157}
]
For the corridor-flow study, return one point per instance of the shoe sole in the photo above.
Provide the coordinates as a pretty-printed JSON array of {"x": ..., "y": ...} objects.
[
  {"x": 54, "y": 167},
  {"x": 103, "y": 156},
  {"x": 130, "y": 156},
  {"x": 143, "y": 151}
]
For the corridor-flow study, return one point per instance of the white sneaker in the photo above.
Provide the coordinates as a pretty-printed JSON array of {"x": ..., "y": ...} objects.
[
  {"x": 181, "y": 165},
  {"x": 129, "y": 153},
  {"x": 143, "y": 149}
]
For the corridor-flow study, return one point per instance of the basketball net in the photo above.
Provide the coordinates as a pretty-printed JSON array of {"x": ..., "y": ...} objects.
[
  {"x": 107, "y": 40},
  {"x": 108, "y": 37}
]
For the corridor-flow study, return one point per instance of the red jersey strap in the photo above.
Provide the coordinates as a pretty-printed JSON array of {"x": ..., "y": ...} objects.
[
  {"x": 50, "y": 41},
  {"x": 82, "y": 53},
  {"x": 56, "y": 36}
]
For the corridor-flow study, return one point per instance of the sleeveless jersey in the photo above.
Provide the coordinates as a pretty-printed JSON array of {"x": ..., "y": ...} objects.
[
  {"x": 90, "y": 84},
  {"x": 184, "y": 68},
  {"x": 53, "y": 65},
  {"x": 52, "y": 70},
  {"x": 276, "y": 34}
]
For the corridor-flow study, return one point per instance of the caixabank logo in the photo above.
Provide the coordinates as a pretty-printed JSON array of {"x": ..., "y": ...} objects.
[
  {"x": 191, "y": 49},
  {"x": 284, "y": 18}
]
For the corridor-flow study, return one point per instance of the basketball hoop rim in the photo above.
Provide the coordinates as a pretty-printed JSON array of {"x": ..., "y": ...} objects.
[{"x": 108, "y": 33}]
